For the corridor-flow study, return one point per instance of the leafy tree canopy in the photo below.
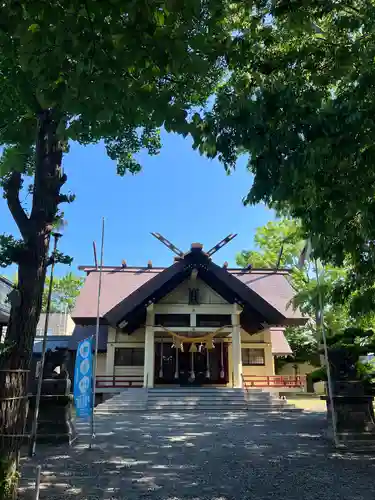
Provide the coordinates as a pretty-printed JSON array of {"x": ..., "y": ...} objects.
[
  {"x": 300, "y": 102},
  {"x": 65, "y": 290},
  {"x": 286, "y": 234},
  {"x": 282, "y": 240},
  {"x": 107, "y": 69},
  {"x": 92, "y": 71},
  {"x": 355, "y": 343},
  {"x": 89, "y": 71}
]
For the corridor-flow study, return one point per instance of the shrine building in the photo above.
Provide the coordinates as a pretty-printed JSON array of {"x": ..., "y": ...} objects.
[{"x": 193, "y": 323}]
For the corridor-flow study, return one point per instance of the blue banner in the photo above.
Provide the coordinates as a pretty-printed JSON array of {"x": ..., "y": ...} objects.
[{"x": 83, "y": 379}]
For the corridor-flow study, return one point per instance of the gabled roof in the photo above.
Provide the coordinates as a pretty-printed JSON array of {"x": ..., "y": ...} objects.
[
  {"x": 117, "y": 284},
  {"x": 264, "y": 294}
]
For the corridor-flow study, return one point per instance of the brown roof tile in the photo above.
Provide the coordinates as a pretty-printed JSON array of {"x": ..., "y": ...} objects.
[
  {"x": 275, "y": 288},
  {"x": 118, "y": 283},
  {"x": 280, "y": 346}
]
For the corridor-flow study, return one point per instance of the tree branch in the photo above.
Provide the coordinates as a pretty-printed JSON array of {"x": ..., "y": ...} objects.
[
  {"x": 66, "y": 198},
  {"x": 11, "y": 250},
  {"x": 12, "y": 187},
  {"x": 93, "y": 36},
  {"x": 59, "y": 258}
]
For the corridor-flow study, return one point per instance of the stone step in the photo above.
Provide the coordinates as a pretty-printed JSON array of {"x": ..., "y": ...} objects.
[
  {"x": 169, "y": 404},
  {"x": 198, "y": 393},
  {"x": 194, "y": 410},
  {"x": 122, "y": 404},
  {"x": 213, "y": 395},
  {"x": 187, "y": 399},
  {"x": 220, "y": 402},
  {"x": 216, "y": 405},
  {"x": 119, "y": 402},
  {"x": 199, "y": 388},
  {"x": 115, "y": 411},
  {"x": 187, "y": 405},
  {"x": 193, "y": 399},
  {"x": 211, "y": 401},
  {"x": 209, "y": 395},
  {"x": 221, "y": 392},
  {"x": 124, "y": 401},
  {"x": 195, "y": 403}
]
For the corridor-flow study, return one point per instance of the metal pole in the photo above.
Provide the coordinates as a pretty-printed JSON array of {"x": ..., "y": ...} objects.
[
  {"x": 95, "y": 257},
  {"x": 37, "y": 482},
  {"x": 66, "y": 320},
  {"x": 34, "y": 430},
  {"x": 95, "y": 364},
  {"x": 280, "y": 255},
  {"x": 324, "y": 338}
]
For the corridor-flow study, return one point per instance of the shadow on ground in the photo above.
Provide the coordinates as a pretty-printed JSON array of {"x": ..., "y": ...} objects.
[{"x": 201, "y": 456}]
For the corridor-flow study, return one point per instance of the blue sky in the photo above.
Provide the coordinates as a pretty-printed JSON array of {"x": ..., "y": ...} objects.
[{"x": 185, "y": 197}]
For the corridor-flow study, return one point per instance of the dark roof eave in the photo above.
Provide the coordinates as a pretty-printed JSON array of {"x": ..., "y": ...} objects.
[
  {"x": 140, "y": 296},
  {"x": 234, "y": 270},
  {"x": 245, "y": 294},
  {"x": 298, "y": 321},
  {"x": 211, "y": 273},
  {"x": 89, "y": 321}
]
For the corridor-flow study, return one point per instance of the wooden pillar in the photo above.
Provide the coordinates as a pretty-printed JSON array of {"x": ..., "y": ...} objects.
[
  {"x": 236, "y": 347},
  {"x": 110, "y": 360},
  {"x": 149, "y": 362},
  {"x": 268, "y": 356}
]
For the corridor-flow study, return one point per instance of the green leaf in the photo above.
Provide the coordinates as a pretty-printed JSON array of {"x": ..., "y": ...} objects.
[
  {"x": 34, "y": 28},
  {"x": 159, "y": 17},
  {"x": 298, "y": 102}
]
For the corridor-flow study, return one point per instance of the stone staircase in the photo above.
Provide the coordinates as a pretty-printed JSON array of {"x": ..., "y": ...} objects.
[
  {"x": 194, "y": 399},
  {"x": 128, "y": 400}
]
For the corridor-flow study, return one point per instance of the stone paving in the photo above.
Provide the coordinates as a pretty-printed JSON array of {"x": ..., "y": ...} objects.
[{"x": 227, "y": 456}]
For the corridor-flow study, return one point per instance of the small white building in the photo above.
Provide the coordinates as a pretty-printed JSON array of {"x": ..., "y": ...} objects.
[{"x": 58, "y": 324}]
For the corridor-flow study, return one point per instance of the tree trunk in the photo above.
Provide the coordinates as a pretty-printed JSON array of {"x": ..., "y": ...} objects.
[
  {"x": 13, "y": 412},
  {"x": 32, "y": 266}
]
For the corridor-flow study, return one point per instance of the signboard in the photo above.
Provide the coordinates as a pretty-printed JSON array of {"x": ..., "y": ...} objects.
[{"x": 83, "y": 379}]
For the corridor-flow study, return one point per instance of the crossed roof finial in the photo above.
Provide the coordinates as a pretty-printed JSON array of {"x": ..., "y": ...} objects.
[{"x": 181, "y": 254}]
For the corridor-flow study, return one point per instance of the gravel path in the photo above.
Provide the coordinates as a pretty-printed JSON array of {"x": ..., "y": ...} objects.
[{"x": 231, "y": 456}]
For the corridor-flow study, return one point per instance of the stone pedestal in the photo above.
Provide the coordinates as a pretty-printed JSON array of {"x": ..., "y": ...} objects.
[
  {"x": 55, "y": 421},
  {"x": 354, "y": 419},
  {"x": 352, "y": 399}
]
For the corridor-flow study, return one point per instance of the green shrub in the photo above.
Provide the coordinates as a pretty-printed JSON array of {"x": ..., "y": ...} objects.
[{"x": 9, "y": 477}]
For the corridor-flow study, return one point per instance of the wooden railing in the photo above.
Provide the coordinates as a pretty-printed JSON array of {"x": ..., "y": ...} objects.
[
  {"x": 278, "y": 381},
  {"x": 248, "y": 381},
  {"x": 118, "y": 381}
]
